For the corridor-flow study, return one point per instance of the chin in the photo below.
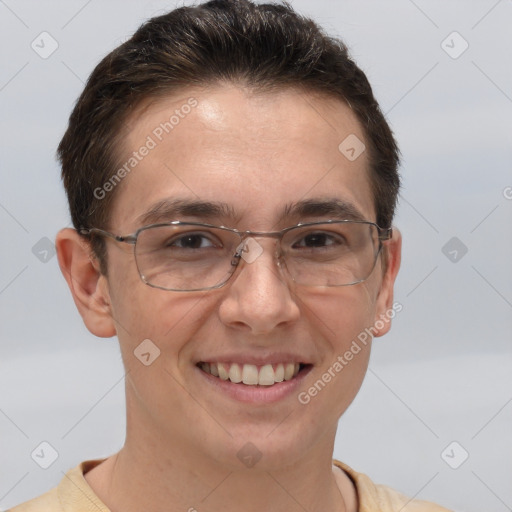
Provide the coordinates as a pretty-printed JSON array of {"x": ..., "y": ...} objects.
[{"x": 266, "y": 449}]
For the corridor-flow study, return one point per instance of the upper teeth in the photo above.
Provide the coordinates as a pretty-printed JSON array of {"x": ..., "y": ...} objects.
[{"x": 265, "y": 375}]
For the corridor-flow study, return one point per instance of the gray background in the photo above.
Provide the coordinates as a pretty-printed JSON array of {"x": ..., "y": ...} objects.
[{"x": 441, "y": 375}]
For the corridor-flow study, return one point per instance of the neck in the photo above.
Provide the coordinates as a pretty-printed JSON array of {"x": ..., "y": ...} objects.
[
  {"x": 161, "y": 469},
  {"x": 141, "y": 477}
]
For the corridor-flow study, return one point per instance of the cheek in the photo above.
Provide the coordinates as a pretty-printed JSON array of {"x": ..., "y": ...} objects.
[
  {"x": 340, "y": 321},
  {"x": 345, "y": 346},
  {"x": 340, "y": 314},
  {"x": 141, "y": 312}
]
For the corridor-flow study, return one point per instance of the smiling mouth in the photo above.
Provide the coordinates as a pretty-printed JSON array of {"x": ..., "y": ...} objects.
[{"x": 253, "y": 375}]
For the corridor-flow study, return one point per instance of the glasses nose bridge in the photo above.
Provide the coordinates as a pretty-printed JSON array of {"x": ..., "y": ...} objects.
[
  {"x": 249, "y": 252},
  {"x": 276, "y": 235}
]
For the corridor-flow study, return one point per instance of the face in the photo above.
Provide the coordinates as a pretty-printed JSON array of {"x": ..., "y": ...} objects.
[{"x": 259, "y": 156}]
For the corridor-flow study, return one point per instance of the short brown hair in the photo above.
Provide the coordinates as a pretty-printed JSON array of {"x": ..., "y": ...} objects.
[{"x": 261, "y": 46}]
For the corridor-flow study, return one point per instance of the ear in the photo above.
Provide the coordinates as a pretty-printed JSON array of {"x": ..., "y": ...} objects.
[
  {"x": 88, "y": 286},
  {"x": 385, "y": 309}
]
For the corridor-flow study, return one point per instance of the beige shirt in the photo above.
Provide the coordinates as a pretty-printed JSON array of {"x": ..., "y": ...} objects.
[{"x": 74, "y": 494}]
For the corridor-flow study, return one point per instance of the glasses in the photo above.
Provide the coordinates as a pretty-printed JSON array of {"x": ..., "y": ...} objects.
[{"x": 189, "y": 256}]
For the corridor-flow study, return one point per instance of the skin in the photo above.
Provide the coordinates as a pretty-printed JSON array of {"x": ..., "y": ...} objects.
[{"x": 255, "y": 152}]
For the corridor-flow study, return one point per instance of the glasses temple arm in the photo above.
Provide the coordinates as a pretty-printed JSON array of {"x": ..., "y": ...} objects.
[
  {"x": 385, "y": 234},
  {"x": 129, "y": 239}
]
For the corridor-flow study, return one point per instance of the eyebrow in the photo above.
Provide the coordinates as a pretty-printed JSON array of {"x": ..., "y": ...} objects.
[
  {"x": 171, "y": 209},
  {"x": 333, "y": 208}
]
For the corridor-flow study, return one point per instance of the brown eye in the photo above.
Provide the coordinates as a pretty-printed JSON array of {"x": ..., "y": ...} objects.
[
  {"x": 319, "y": 239},
  {"x": 189, "y": 240}
]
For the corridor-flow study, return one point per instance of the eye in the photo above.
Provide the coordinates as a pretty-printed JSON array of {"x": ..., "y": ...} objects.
[
  {"x": 318, "y": 239},
  {"x": 191, "y": 241}
]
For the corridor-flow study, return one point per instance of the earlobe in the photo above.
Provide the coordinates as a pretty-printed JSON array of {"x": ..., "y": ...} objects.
[
  {"x": 86, "y": 283},
  {"x": 385, "y": 309}
]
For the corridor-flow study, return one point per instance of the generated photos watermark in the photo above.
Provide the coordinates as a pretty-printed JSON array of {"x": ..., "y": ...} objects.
[
  {"x": 152, "y": 140},
  {"x": 304, "y": 397}
]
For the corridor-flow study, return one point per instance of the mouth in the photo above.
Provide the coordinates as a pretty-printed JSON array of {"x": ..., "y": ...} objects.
[{"x": 265, "y": 375}]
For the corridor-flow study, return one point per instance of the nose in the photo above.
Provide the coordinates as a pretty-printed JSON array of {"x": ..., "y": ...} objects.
[{"x": 258, "y": 298}]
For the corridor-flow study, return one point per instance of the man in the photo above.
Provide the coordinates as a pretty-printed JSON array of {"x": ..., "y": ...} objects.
[{"x": 232, "y": 183}]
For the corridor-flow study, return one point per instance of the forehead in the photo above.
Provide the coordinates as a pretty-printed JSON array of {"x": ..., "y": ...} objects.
[{"x": 256, "y": 155}]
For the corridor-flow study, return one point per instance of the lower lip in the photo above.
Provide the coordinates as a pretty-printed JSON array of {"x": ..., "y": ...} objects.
[{"x": 257, "y": 394}]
